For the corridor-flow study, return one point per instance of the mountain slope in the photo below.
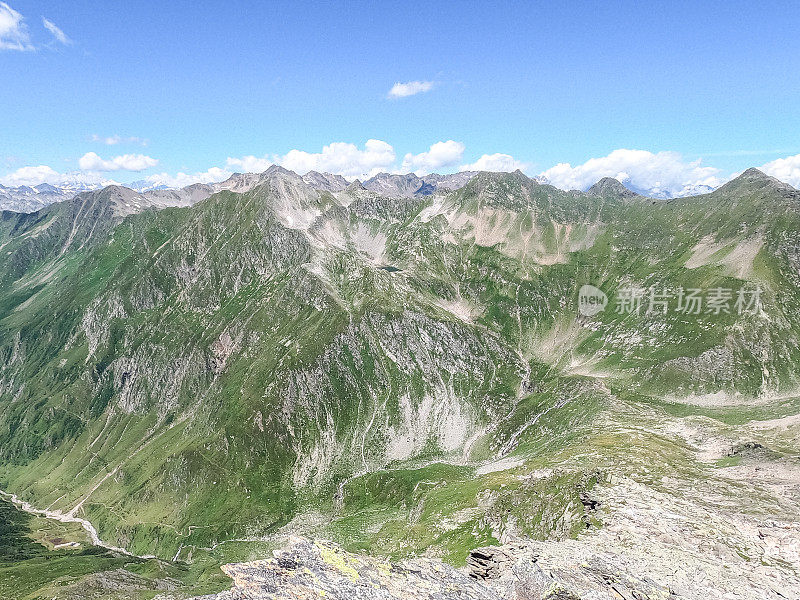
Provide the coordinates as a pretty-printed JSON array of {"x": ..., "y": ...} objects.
[{"x": 403, "y": 375}]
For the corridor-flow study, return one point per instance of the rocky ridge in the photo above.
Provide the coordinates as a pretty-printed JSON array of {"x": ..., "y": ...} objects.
[
  {"x": 321, "y": 570},
  {"x": 29, "y": 199}
]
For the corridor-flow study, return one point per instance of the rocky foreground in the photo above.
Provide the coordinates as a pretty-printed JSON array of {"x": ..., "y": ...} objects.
[{"x": 309, "y": 570}]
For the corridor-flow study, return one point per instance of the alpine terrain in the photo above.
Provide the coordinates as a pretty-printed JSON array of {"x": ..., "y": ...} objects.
[{"x": 469, "y": 386}]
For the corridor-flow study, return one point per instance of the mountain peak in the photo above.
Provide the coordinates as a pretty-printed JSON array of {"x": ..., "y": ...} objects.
[
  {"x": 122, "y": 201},
  {"x": 279, "y": 170},
  {"x": 356, "y": 185},
  {"x": 754, "y": 179},
  {"x": 753, "y": 173},
  {"x": 608, "y": 186}
]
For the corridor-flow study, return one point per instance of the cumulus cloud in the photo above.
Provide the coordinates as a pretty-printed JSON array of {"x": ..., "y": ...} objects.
[
  {"x": 32, "y": 176},
  {"x": 179, "y": 180},
  {"x": 410, "y": 88},
  {"x": 113, "y": 140},
  {"x": 660, "y": 174},
  {"x": 501, "y": 163},
  {"x": 126, "y": 162},
  {"x": 440, "y": 154},
  {"x": 14, "y": 33},
  {"x": 340, "y": 158},
  {"x": 56, "y": 31},
  {"x": 786, "y": 169},
  {"x": 663, "y": 174},
  {"x": 250, "y": 163}
]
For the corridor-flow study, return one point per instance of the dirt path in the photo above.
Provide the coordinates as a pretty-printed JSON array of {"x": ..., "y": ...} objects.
[{"x": 68, "y": 518}]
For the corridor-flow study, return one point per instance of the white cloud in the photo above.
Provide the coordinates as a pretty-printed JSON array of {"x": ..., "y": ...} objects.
[
  {"x": 495, "y": 162},
  {"x": 126, "y": 162},
  {"x": 31, "y": 176},
  {"x": 58, "y": 34},
  {"x": 664, "y": 173},
  {"x": 250, "y": 164},
  {"x": 13, "y": 30},
  {"x": 409, "y": 88},
  {"x": 34, "y": 175},
  {"x": 786, "y": 169},
  {"x": 113, "y": 140},
  {"x": 661, "y": 174},
  {"x": 180, "y": 180},
  {"x": 441, "y": 154},
  {"x": 340, "y": 158}
]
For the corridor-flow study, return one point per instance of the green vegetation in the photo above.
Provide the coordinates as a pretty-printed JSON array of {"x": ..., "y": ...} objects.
[
  {"x": 30, "y": 570},
  {"x": 402, "y": 377}
]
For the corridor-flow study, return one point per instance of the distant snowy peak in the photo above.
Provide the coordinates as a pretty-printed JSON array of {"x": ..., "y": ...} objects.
[
  {"x": 694, "y": 189},
  {"x": 145, "y": 185},
  {"x": 409, "y": 185},
  {"x": 660, "y": 193},
  {"x": 28, "y": 199}
]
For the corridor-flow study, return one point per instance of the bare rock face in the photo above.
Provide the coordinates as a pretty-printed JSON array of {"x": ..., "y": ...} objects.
[
  {"x": 116, "y": 583},
  {"x": 311, "y": 570},
  {"x": 490, "y": 562},
  {"x": 520, "y": 572},
  {"x": 320, "y": 570}
]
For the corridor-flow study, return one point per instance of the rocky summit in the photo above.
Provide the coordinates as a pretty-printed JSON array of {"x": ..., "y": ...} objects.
[{"x": 470, "y": 386}]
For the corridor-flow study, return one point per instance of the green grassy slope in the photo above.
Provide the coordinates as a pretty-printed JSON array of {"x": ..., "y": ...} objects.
[{"x": 351, "y": 364}]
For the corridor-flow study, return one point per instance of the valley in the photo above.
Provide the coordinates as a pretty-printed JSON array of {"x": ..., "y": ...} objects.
[{"x": 198, "y": 382}]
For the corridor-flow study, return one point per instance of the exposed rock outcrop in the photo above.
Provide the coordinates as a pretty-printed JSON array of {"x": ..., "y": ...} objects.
[{"x": 315, "y": 570}]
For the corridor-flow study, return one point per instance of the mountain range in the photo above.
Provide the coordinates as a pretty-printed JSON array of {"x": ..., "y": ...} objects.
[
  {"x": 31, "y": 199},
  {"x": 404, "y": 367}
]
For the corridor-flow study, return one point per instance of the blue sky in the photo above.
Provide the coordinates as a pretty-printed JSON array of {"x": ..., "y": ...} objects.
[{"x": 184, "y": 87}]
